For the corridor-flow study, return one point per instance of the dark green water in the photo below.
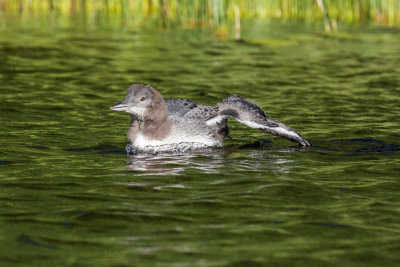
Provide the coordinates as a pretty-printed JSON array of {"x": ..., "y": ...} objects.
[{"x": 70, "y": 196}]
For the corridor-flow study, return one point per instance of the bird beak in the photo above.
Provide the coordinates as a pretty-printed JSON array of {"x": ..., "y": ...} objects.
[{"x": 121, "y": 106}]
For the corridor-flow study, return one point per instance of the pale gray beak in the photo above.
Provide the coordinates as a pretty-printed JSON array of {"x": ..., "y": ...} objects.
[{"x": 121, "y": 106}]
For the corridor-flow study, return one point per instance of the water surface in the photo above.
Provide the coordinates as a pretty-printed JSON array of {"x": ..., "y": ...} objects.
[{"x": 69, "y": 194}]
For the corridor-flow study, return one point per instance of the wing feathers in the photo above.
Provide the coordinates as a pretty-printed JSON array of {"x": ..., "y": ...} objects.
[{"x": 251, "y": 115}]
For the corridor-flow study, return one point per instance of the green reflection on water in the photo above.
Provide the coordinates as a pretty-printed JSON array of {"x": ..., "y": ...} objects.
[{"x": 70, "y": 195}]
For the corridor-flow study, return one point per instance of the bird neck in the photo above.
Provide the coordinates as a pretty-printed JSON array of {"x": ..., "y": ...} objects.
[{"x": 155, "y": 124}]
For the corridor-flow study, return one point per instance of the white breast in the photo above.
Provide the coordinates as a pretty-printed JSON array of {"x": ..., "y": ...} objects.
[{"x": 175, "y": 140}]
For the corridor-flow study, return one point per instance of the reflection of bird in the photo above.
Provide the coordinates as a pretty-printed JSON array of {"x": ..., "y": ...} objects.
[{"x": 179, "y": 124}]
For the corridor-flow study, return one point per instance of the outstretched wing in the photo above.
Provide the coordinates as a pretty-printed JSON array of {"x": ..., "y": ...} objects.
[
  {"x": 277, "y": 128},
  {"x": 250, "y": 114}
]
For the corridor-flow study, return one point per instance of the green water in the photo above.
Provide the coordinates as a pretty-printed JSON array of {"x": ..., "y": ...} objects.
[{"x": 70, "y": 196}]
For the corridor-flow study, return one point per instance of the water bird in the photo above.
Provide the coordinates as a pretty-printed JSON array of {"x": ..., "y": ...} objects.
[{"x": 179, "y": 124}]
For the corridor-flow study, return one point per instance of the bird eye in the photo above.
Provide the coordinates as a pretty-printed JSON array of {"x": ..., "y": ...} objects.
[{"x": 142, "y": 98}]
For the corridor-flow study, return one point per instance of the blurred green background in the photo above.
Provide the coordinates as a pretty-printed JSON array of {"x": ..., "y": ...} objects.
[{"x": 223, "y": 16}]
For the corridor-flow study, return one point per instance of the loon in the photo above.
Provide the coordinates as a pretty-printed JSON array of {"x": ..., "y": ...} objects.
[{"x": 178, "y": 124}]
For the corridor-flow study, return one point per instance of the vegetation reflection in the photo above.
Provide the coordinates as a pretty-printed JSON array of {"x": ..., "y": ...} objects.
[{"x": 222, "y": 16}]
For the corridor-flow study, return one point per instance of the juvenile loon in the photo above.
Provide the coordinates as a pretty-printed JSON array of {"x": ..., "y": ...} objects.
[{"x": 179, "y": 124}]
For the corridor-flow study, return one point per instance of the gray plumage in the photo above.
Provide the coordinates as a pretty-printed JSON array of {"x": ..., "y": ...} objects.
[{"x": 178, "y": 123}]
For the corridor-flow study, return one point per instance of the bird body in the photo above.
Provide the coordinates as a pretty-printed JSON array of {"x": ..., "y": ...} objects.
[{"x": 179, "y": 124}]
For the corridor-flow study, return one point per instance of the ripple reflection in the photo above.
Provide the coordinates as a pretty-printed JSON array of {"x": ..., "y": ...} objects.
[
  {"x": 221, "y": 161},
  {"x": 175, "y": 164}
]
